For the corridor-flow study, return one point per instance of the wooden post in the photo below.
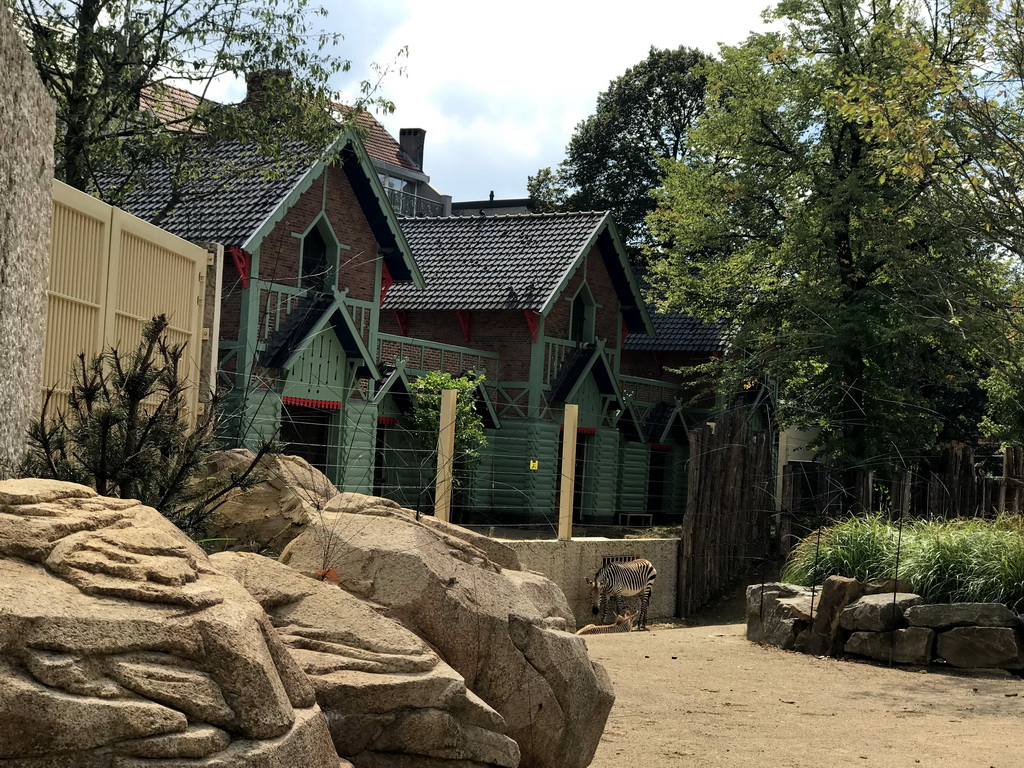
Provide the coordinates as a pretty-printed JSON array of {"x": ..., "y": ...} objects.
[
  {"x": 568, "y": 471},
  {"x": 445, "y": 456}
]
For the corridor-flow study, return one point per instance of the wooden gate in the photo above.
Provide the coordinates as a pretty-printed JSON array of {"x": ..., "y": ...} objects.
[
  {"x": 728, "y": 509},
  {"x": 109, "y": 274}
]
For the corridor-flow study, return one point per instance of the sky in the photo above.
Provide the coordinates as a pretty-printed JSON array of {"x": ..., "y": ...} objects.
[{"x": 499, "y": 87}]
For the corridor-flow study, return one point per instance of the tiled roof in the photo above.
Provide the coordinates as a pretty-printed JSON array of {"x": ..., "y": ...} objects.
[
  {"x": 494, "y": 262},
  {"x": 677, "y": 333},
  {"x": 231, "y": 198},
  {"x": 170, "y": 105},
  {"x": 380, "y": 145}
]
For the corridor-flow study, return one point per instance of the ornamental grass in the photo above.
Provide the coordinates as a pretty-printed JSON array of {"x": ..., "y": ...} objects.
[{"x": 945, "y": 561}]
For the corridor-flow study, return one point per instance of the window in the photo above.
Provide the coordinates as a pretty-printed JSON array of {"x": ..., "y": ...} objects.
[
  {"x": 581, "y": 319},
  {"x": 314, "y": 261},
  {"x": 318, "y": 267}
]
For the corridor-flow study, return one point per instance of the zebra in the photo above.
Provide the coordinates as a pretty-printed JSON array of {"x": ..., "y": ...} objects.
[
  {"x": 623, "y": 623},
  {"x": 618, "y": 580}
]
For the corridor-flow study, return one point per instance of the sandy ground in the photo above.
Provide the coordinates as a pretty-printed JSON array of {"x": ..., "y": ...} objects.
[{"x": 704, "y": 696}]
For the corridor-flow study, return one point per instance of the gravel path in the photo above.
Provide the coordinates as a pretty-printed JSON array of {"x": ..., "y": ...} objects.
[{"x": 703, "y": 696}]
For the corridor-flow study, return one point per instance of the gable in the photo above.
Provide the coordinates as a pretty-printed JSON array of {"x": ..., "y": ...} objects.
[{"x": 319, "y": 372}]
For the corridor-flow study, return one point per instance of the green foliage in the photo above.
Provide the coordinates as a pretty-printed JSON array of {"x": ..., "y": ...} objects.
[
  {"x": 125, "y": 433},
  {"x": 614, "y": 158},
  {"x": 101, "y": 60},
  {"x": 842, "y": 282},
  {"x": 962, "y": 560},
  {"x": 425, "y": 415}
]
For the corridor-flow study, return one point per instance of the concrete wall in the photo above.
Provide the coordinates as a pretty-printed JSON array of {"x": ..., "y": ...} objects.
[
  {"x": 568, "y": 563},
  {"x": 26, "y": 179}
]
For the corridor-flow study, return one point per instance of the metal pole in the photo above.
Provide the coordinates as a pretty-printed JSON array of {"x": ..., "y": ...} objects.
[
  {"x": 568, "y": 472},
  {"x": 445, "y": 456}
]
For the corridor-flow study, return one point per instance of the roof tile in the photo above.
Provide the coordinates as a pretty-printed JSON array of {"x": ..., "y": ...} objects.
[{"x": 492, "y": 262}]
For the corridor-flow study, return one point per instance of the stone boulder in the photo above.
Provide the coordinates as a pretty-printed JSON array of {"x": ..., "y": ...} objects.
[
  {"x": 388, "y": 698},
  {"x": 502, "y": 629},
  {"x": 777, "y": 613},
  {"x": 122, "y": 646},
  {"x": 947, "y": 615},
  {"x": 275, "y": 511},
  {"x": 826, "y": 636},
  {"x": 913, "y": 645},
  {"x": 998, "y": 647},
  {"x": 878, "y": 613}
]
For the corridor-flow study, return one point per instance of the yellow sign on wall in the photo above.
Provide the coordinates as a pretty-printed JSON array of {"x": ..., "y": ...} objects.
[{"x": 534, "y": 464}]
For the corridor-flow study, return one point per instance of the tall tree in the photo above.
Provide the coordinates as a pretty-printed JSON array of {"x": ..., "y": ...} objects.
[
  {"x": 614, "y": 158},
  {"x": 109, "y": 66},
  {"x": 844, "y": 283}
]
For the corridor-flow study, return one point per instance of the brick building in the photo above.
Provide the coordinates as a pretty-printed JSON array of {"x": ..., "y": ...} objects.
[
  {"x": 546, "y": 305},
  {"x": 332, "y": 305}
]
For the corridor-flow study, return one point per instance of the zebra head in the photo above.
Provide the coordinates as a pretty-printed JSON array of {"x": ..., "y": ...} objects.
[{"x": 598, "y": 586}]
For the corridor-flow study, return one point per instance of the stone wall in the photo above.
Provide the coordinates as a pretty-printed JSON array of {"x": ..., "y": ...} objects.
[
  {"x": 884, "y": 622},
  {"x": 26, "y": 179},
  {"x": 569, "y": 563}
]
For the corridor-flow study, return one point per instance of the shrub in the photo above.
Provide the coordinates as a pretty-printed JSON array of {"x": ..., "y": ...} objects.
[
  {"x": 125, "y": 432},
  {"x": 425, "y": 414},
  {"x": 961, "y": 560}
]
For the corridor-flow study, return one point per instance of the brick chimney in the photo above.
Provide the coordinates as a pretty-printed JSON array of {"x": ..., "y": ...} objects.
[
  {"x": 410, "y": 141},
  {"x": 262, "y": 82}
]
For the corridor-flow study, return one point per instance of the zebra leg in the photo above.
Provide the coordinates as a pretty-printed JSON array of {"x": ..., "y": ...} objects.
[
  {"x": 618, "y": 605},
  {"x": 604, "y": 606},
  {"x": 645, "y": 598}
]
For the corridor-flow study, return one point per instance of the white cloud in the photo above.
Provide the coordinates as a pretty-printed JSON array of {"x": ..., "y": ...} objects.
[{"x": 500, "y": 87}]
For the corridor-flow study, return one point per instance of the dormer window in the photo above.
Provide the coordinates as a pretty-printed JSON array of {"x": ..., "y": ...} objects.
[{"x": 581, "y": 318}]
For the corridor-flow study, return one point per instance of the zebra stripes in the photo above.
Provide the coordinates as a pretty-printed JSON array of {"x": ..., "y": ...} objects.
[
  {"x": 623, "y": 623},
  {"x": 619, "y": 580}
]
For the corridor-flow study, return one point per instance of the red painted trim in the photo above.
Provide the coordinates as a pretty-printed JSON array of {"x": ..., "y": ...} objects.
[
  {"x": 625, "y": 333},
  {"x": 660, "y": 447},
  {"x": 243, "y": 262},
  {"x": 386, "y": 281},
  {"x": 402, "y": 316},
  {"x": 387, "y": 421},
  {"x": 716, "y": 354},
  {"x": 532, "y": 322},
  {"x": 326, "y": 405},
  {"x": 657, "y": 359},
  {"x": 465, "y": 320},
  {"x": 580, "y": 430}
]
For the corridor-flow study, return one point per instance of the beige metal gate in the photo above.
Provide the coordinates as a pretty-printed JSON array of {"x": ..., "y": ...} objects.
[{"x": 110, "y": 272}]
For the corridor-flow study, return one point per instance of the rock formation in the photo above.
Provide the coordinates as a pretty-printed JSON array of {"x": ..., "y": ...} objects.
[
  {"x": 122, "y": 646},
  {"x": 268, "y": 516},
  {"x": 389, "y": 699},
  {"x": 503, "y": 630}
]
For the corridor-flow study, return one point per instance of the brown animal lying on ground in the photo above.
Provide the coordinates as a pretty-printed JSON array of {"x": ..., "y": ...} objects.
[{"x": 623, "y": 623}]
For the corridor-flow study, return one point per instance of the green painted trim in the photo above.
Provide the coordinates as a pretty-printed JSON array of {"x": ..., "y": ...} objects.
[
  {"x": 581, "y": 256},
  {"x": 491, "y": 411},
  {"x": 337, "y": 307},
  {"x": 348, "y": 137},
  {"x": 255, "y": 240},
  {"x": 598, "y": 355},
  {"x": 437, "y": 345},
  {"x": 677, "y": 413},
  {"x": 290, "y": 290},
  {"x": 378, "y": 280},
  {"x": 606, "y": 223},
  {"x": 385, "y": 205},
  {"x": 396, "y": 376},
  {"x": 335, "y": 267},
  {"x": 634, "y": 287},
  {"x": 249, "y": 326},
  {"x": 535, "y": 397}
]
